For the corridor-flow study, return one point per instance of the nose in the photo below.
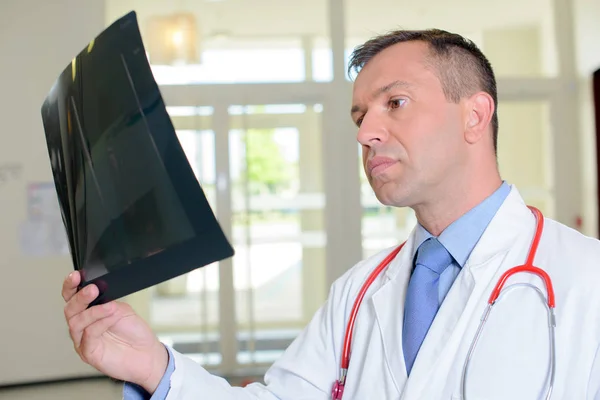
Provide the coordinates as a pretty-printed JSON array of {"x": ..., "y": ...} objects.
[{"x": 372, "y": 130}]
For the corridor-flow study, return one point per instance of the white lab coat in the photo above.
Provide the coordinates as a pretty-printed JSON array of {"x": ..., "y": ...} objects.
[{"x": 512, "y": 357}]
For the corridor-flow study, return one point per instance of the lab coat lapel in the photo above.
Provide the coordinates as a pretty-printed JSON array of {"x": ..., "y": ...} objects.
[
  {"x": 435, "y": 346},
  {"x": 388, "y": 303},
  {"x": 469, "y": 294}
]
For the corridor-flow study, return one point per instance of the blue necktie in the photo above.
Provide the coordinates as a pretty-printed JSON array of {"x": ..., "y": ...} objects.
[{"x": 422, "y": 297}]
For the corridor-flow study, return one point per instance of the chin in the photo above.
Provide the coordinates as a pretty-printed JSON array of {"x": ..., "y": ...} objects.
[
  {"x": 392, "y": 195},
  {"x": 398, "y": 203},
  {"x": 391, "y": 198}
]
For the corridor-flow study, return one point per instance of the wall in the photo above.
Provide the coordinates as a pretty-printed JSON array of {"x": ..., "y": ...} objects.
[
  {"x": 524, "y": 150},
  {"x": 37, "y": 41}
]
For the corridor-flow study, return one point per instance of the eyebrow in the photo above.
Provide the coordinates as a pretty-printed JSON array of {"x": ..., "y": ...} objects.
[{"x": 384, "y": 89}]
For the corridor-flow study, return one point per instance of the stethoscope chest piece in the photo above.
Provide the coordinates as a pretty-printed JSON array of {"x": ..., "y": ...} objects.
[{"x": 338, "y": 391}]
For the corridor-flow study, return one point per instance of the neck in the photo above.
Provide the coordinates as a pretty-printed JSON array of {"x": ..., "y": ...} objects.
[{"x": 453, "y": 202}]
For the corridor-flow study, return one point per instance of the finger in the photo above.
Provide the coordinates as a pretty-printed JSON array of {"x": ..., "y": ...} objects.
[
  {"x": 93, "y": 334},
  {"x": 83, "y": 321},
  {"x": 80, "y": 301},
  {"x": 70, "y": 284},
  {"x": 91, "y": 339}
]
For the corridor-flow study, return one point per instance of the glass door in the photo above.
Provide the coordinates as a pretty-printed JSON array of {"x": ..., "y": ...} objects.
[
  {"x": 278, "y": 232},
  {"x": 184, "y": 311}
]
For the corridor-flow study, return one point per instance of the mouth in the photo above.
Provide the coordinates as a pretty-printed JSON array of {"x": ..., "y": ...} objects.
[{"x": 377, "y": 165}]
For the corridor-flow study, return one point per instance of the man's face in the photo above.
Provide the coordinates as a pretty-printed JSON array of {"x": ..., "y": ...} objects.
[{"x": 411, "y": 135}]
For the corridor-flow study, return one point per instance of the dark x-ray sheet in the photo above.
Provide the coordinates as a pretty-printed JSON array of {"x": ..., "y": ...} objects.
[{"x": 134, "y": 212}]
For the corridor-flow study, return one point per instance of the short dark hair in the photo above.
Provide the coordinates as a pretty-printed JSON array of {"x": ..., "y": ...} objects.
[{"x": 462, "y": 68}]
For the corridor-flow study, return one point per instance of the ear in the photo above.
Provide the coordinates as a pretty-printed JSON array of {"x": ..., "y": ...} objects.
[{"x": 479, "y": 110}]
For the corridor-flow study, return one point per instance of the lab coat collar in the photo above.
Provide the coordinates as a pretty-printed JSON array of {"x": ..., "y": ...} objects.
[
  {"x": 461, "y": 236},
  {"x": 511, "y": 217},
  {"x": 512, "y": 220}
]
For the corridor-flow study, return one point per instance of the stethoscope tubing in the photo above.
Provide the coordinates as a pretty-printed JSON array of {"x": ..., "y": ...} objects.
[
  {"x": 551, "y": 329},
  {"x": 496, "y": 295}
]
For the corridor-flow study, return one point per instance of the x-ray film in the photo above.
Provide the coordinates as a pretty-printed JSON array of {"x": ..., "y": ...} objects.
[{"x": 134, "y": 212}]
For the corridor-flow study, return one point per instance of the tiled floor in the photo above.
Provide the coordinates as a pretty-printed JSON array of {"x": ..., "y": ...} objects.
[{"x": 92, "y": 389}]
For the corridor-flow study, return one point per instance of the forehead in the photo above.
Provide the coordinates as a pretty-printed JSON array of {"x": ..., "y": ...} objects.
[{"x": 405, "y": 61}]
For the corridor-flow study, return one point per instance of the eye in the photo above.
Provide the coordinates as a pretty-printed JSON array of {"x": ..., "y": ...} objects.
[
  {"x": 359, "y": 121},
  {"x": 395, "y": 103}
]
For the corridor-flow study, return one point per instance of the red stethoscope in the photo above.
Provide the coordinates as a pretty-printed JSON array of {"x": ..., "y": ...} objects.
[{"x": 338, "y": 388}]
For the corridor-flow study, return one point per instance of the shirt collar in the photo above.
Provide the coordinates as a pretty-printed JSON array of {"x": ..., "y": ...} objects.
[{"x": 463, "y": 234}]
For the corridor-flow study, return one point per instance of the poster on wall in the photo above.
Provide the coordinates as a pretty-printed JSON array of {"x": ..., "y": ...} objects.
[{"x": 42, "y": 234}]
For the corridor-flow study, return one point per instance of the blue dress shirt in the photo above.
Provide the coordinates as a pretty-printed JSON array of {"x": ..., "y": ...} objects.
[
  {"x": 459, "y": 239},
  {"x": 463, "y": 234},
  {"x": 135, "y": 392}
]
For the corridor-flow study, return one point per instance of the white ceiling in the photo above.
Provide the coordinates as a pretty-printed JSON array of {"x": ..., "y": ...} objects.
[{"x": 285, "y": 18}]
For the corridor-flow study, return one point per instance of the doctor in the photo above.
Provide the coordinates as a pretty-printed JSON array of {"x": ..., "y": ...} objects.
[{"x": 425, "y": 106}]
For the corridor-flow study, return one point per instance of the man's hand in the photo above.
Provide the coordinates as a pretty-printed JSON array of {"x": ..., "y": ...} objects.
[{"x": 112, "y": 338}]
